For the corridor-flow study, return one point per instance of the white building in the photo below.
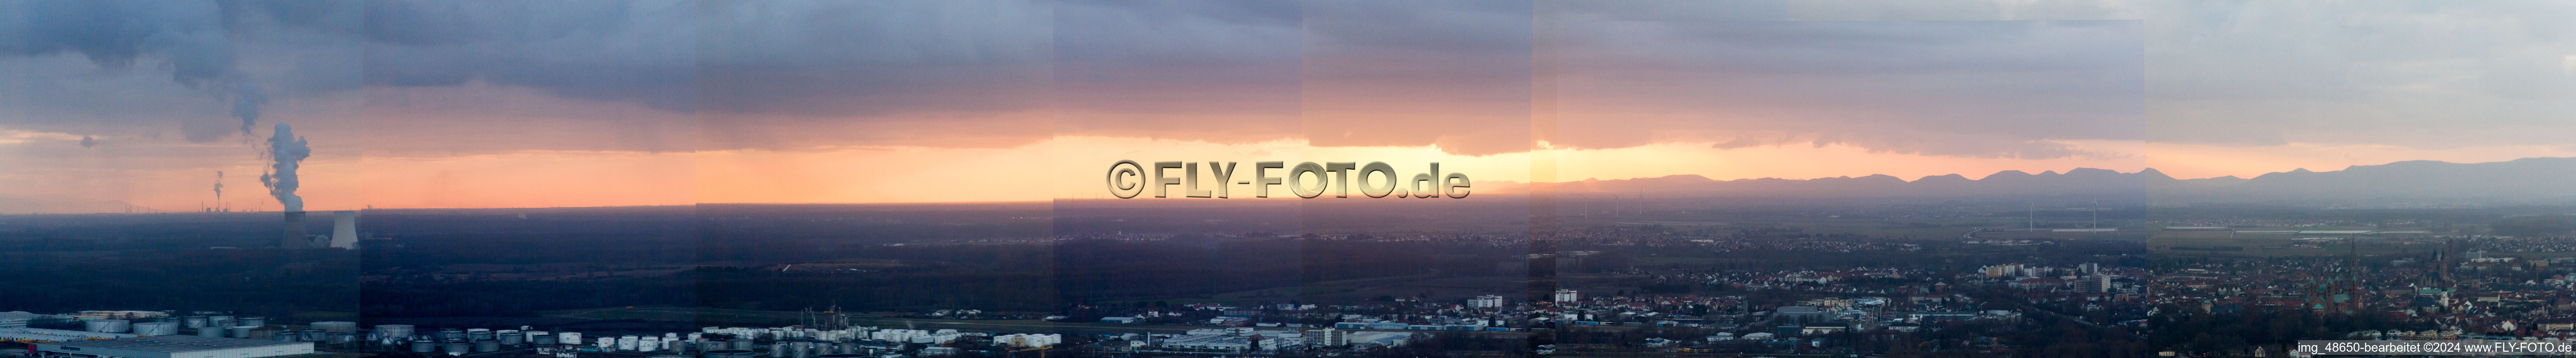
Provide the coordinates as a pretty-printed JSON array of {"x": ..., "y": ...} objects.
[
  {"x": 1023, "y": 340},
  {"x": 1388, "y": 339},
  {"x": 2002, "y": 270},
  {"x": 15, "y": 319},
  {"x": 1326, "y": 338},
  {"x": 1568, "y": 296},
  {"x": 173, "y": 346},
  {"x": 1210, "y": 343},
  {"x": 1486, "y": 301}
]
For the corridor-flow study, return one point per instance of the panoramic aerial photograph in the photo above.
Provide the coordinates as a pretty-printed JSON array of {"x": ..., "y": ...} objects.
[{"x": 1286, "y": 178}]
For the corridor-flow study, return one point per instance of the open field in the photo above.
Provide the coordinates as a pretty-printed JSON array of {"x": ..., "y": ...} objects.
[{"x": 2230, "y": 243}]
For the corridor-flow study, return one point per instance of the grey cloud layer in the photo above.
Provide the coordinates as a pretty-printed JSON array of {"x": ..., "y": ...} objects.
[
  {"x": 806, "y": 74},
  {"x": 1953, "y": 88}
]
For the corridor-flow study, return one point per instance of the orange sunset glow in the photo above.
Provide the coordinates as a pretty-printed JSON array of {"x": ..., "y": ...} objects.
[{"x": 1032, "y": 105}]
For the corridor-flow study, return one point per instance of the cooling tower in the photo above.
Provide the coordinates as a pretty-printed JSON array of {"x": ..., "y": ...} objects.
[
  {"x": 295, "y": 237},
  {"x": 344, "y": 229}
]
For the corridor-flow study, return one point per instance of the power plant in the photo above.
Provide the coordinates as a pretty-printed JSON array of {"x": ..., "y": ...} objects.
[
  {"x": 344, "y": 232},
  {"x": 344, "y": 229},
  {"x": 295, "y": 237}
]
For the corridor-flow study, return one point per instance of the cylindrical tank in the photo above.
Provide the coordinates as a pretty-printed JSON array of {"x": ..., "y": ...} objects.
[
  {"x": 459, "y": 346},
  {"x": 626, "y": 343},
  {"x": 156, "y": 328},
  {"x": 450, "y": 333},
  {"x": 726, "y": 353},
  {"x": 510, "y": 337},
  {"x": 107, "y": 325},
  {"x": 478, "y": 334},
  {"x": 336, "y": 326},
  {"x": 541, "y": 339},
  {"x": 799, "y": 349},
  {"x": 487, "y": 345},
  {"x": 777, "y": 350},
  {"x": 242, "y": 332},
  {"x": 608, "y": 344},
  {"x": 648, "y": 343},
  {"x": 210, "y": 332},
  {"x": 394, "y": 330},
  {"x": 195, "y": 321},
  {"x": 740, "y": 343},
  {"x": 254, "y": 321},
  {"x": 424, "y": 345},
  {"x": 848, "y": 348},
  {"x": 220, "y": 319}
]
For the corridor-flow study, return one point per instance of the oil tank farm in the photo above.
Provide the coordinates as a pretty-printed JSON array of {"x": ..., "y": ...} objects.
[
  {"x": 336, "y": 326},
  {"x": 156, "y": 328},
  {"x": 107, "y": 325},
  {"x": 171, "y": 347}
]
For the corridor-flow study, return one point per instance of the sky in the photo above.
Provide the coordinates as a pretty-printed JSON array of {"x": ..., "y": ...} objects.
[{"x": 461, "y": 104}]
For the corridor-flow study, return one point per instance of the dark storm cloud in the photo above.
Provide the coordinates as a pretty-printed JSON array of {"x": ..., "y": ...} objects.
[
  {"x": 1453, "y": 74},
  {"x": 1214, "y": 71},
  {"x": 640, "y": 51},
  {"x": 805, "y": 74},
  {"x": 198, "y": 44},
  {"x": 1996, "y": 89}
]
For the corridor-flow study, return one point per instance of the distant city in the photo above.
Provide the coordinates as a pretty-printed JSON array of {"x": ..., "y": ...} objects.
[
  {"x": 1689, "y": 276},
  {"x": 1285, "y": 178}
]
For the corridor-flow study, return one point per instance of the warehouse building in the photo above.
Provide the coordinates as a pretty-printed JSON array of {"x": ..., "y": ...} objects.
[
  {"x": 172, "y": 347},
  {"x": 55, "y": 335},
  {"x": 16, "y": 319}
]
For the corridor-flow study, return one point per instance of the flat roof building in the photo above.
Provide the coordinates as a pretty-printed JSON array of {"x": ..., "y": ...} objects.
[
  {"x": 55, "y": 335},
  {"x": 172, "y": 347},
  {"x": 15, "y": 319}
]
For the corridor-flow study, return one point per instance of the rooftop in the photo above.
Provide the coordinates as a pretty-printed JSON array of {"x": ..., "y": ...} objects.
[{"x": 175, "y": 343}]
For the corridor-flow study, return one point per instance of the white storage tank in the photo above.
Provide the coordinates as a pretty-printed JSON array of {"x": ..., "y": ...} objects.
[
  {"x": 107, "y": 325},
  {"x": 394, "y": 330},
  {"x": 335, "y": 326},
  {"x": 156, "y": 328}
]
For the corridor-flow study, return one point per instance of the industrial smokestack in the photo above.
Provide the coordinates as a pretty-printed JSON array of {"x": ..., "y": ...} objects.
[
  {"x": 286, "y": 152},
  {"x": 295, "y": 237},
  {"x": 344, "y": 229}
]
